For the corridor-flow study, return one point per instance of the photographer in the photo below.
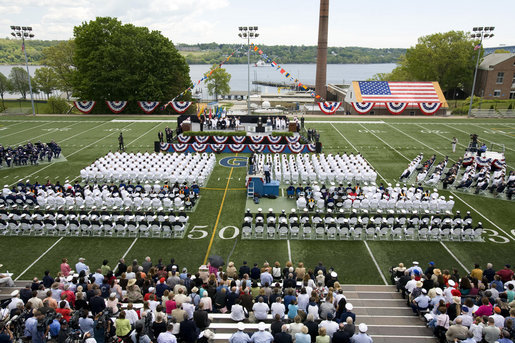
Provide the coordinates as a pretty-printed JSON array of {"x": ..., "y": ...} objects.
[
  {"x": 103, "y": 326},
  {"x": 6, "y": 336}
]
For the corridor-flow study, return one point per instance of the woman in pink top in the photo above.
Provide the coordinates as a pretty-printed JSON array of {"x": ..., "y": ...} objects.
[
  {"x": 170, "y": 304},
  {"x": 486, "y": 309},
  {"x": 65, "y": 267}
]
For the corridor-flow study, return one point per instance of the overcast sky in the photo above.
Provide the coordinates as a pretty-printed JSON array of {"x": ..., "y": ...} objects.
[{"x": 372, "y": 23}]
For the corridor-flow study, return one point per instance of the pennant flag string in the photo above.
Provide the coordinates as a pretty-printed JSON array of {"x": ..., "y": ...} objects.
[
  {"x": 204, "y": 77},
  {"x": 284, "y": 72}
]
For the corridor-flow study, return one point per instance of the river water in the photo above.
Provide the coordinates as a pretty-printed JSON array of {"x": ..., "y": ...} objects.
[{"x": 305, "y": 73}]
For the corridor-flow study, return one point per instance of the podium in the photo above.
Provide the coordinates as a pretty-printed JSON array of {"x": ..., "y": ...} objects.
[
  {"x": 260, "y": 187},
  {"x": 292, "y": 127},
  {"x": 185, "y": 126}
]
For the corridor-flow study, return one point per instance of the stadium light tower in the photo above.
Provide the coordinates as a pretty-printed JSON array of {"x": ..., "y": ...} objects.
[
  {"x": 25, "y": 32},
  {"x": 248, "y": 33},
  {"x": 481, "y": 33}
]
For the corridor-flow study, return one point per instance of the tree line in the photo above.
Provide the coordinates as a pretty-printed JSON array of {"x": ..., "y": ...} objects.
[{"x": 211, "y": 53}]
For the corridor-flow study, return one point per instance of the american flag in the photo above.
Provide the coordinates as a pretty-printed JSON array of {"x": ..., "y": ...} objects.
[{"x": 384, "y": 91}]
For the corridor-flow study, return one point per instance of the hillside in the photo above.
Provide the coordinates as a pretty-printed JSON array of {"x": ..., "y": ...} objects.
[{"x": 210, "y": 53}]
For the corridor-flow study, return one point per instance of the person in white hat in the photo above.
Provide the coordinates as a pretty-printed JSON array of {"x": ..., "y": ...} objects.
[
  {"x": 240, "y": 336},
  {"x": 15, "y": 300},
  {"x": 262, "y": 336},
  {"x": 411, "y": 270},
  {"x": 361, "y": 336}
]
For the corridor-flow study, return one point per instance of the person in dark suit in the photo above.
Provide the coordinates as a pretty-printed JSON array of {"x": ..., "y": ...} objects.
[
  {"x": 283, "y": 336},
  {"x": 121, "y": 146},
  {"x": 160, "y": 136},
  {"x": 244, "y": 269},
  {"x": 188, "y": 331},
  {"x": 341, "y": 336}
]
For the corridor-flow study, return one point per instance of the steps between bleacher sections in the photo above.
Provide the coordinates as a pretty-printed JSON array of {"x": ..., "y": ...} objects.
[{"x": 386, "y": 314}]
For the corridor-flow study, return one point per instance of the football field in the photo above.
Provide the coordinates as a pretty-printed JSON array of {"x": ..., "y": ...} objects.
[{"x": 388, "y": 144}]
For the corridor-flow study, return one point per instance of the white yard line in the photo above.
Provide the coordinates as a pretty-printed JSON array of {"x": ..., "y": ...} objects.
[
  {"x": 454, "y": 256},
  {"x": 460, "y": 144},
  {"x": 289, "y": 250},
  {"x": 382, "y": 140},
  {"x": 352, "y": 145},
  {"x": 126, "y": 252},
  {"x": 427, "y": 146},
  {"x": 18, "y": 132},
  {"x": 44, "y": 134},
  {"x": 375, "y": 262},
  {"x": 344, "y": 122},
  {"x": 482, "y": 215},
  {"x": 481, "y": 138},
  {"x": 501, "y": 133},
  {"x": 73, "y": 153},
  {"x": 152, "y": 128},
  {"x": 39, "y": 258}
]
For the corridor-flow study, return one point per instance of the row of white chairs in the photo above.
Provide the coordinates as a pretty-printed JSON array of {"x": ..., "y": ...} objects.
[
  {"x": 87, "y": 228},
  {"x": 359, "y": 232},
  {"x": 157, "y": 167},
  {"x": 305, "y": 168}
]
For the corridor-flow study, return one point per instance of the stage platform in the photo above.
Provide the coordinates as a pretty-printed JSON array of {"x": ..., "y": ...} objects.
[{"x": 249, "y": 128}]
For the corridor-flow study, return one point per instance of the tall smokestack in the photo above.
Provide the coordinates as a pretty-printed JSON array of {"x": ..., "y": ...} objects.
[{"x": 321, "y": 77}]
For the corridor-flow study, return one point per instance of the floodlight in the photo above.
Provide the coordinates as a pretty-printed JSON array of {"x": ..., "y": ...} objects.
[
  {"x": 239, "y": 34},
  {"x": 255, "y": 28},
  {"x": 29, "y": 28},
  {"x": 13, "y": 27},
  {"x": 491, "y": 35},
  {"x": 256, "y": 35},
  {"x": 18, "y": 34},
  {"x": 251, "y": 28},
  {"x": 25, "y": 34},
  {"x": 14, "y": 34},
  {"x": 480, "y": 28},
  {"x": 251, "y": 34},
  {"x": 240, "y": 28},
  {"x": 245, "y": 34},
  {"x": 31, "y": 35},
  {"x": 474, "y": 29},
  {"x": 244, "y": 28},
  {"x": 23, "y": 28},
  {"x": 18, "y": 28},
  {"x": 492, "y": 28}
]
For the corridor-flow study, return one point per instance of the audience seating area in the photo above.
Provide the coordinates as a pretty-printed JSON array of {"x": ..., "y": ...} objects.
[
  {"x": 322, "y": 168},
  {"x": 361, "y": 225},
  {"x": 95, "y": 223},
  {"x": 159, "y": 167}
]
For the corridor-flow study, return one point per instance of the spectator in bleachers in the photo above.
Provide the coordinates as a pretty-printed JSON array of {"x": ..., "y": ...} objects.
[
  {"x": 240, "y": 336},
  {"x": 456, "y": 331},
  {"x": 262, "y": 336},
  {"x": 283, "y": 336},
  {"x": 491, "y": 333}
]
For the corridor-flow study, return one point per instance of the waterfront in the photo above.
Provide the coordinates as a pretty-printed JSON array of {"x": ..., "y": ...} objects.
[{"x": 305, "y": 73}]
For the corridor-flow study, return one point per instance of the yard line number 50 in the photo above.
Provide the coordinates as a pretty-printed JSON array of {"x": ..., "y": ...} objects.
[{"x": 227, "y": 232}]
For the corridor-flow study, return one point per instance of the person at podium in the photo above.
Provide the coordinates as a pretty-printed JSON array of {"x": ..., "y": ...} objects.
[{"x": 266, "y": 169}]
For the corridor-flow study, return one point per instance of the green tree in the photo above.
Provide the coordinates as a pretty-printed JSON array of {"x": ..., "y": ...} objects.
[
  {"x": 46, "y": 80},
  {"x": 125, "y": 62},
  {"x": 448, "y": 58},
  {"x": 4, "y": 87},
  {"x": 218, "y": 81},
  {"x": 60, "y": 59},
  {"x": 18, "y": 81},
  {"x": 57, "y": 105}
]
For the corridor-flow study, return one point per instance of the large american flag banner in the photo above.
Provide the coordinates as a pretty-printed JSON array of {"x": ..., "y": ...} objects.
[{"x": 399, "y": 92}]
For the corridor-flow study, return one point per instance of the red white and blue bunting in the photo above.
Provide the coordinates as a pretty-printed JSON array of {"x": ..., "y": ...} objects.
[
  {"x": 293, "y": 139},
  {"x": 236, "y": 147},
  {"x": 148, "y": 106},
  {"x": 257, "y": 139},
  {"x": 499, "y": 164},
  {"x": 257, "y": 147},
  {"x": 183, "y": 139},
  {"x": 180, "y": 106},
  {"x": 116, "y": 106},
  {"x": 220, "y": 139},
  {"x": 274, "y": 139},
  {"x": 363, "y": 107},
  {"x": 468, "y": 160},
  {"x": 239, "y": 139},
  {"x": 329, "y": 107},
  {"x": 483, "y": 161},
  {"x": 277, "y": 148},
  {"x": 396, "y": 107},
  {"x": 202, "y": 139},
  {"x": 85, "y": 106},
  {"x": 296, "y": 148},
  {"x": 217, "y": 147},
  {"x": 180, "y": 147},
  {"x": 199, "y": 147},
  {"x": 429, "y": 108}
]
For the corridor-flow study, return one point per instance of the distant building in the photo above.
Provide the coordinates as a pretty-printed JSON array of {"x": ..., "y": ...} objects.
[{"x": 496, "y": 77}]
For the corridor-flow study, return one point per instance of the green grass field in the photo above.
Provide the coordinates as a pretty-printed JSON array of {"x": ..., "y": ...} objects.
[{"x": 388, "y": 145}]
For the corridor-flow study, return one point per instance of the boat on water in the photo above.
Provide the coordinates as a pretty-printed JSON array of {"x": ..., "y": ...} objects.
[{"x": 261, "y": 63}]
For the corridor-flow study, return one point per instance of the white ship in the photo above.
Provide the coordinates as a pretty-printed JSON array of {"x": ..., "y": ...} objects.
[{"x": 261, "y": 63}]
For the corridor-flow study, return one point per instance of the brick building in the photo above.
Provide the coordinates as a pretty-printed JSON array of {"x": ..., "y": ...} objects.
[{"x": 496, "y": 77}]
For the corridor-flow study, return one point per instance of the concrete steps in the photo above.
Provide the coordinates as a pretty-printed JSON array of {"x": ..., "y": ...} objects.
[{"x": 386, "y": 314}]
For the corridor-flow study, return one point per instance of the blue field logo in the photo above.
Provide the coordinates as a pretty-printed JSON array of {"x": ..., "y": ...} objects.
[{"x": 233, "y": 162}]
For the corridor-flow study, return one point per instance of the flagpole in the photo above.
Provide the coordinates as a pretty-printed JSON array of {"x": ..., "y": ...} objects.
[
  {"x": 480, "y": 35},
  {"x": 25, "y": 31}
]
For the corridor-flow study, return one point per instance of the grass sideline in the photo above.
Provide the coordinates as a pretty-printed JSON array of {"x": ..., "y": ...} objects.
[{"x": 382, "y": 141}]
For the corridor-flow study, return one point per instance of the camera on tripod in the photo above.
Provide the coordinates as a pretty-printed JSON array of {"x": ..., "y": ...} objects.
[{"x": 46, "y": 321}]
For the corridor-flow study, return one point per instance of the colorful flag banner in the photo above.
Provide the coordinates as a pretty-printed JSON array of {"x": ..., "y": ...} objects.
[{"x": 204, "y": 77}]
